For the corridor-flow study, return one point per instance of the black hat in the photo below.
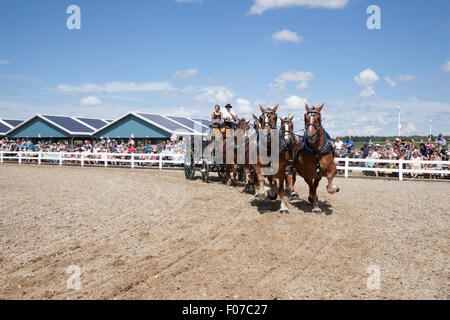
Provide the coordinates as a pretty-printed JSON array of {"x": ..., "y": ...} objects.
[{"x": 228, "y": 106}]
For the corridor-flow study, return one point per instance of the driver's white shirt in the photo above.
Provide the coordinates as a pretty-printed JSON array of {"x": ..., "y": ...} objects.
[{"x": 228, "y": 115}]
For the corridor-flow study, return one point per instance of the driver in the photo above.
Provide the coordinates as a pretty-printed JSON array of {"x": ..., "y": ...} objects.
[{"x": 230, "y": 117}]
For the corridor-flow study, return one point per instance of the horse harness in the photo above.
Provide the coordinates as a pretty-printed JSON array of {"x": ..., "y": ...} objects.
[{"x": 316, "y": 152}]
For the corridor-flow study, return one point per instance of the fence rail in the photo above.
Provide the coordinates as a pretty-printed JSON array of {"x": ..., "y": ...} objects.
[
  {"x": 106, "y": 159},
  {"x": 399, "y": 166},
  {"x": 140, "y": 159}
]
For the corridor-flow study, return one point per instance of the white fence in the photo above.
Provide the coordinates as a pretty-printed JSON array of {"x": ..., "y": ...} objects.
[
  {"x": 136, "y": 159},
  {"x": 399, "y": 166},
  {"x": 105, "y": 159}
]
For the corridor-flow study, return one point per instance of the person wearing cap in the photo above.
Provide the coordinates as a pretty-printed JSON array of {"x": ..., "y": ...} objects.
[
  {"x": 349, "y": 144},
  {"x": 440, "y": 142},
  {"x": 229, "y": 116}
]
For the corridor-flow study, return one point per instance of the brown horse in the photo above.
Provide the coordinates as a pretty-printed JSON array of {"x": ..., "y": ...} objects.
[
  {"x": 268, "y": 121},
  {"x": 240, "y": 138},
  {"x": 315, "y": 159},
  {"x": 290, "y": 145}
]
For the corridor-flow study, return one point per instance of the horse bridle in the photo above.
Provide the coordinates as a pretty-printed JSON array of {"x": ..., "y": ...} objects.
[
  {"x": 283, "y": 128},
  {"x": 312, "y": 123},
  {"x": 264, "y": 116}
]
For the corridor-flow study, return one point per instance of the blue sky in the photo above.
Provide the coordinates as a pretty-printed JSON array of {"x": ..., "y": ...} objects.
[{"x": 182, "y": 57}]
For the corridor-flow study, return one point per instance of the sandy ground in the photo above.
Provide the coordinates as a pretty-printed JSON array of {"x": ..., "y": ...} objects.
[{"x": 154, "y": 235}]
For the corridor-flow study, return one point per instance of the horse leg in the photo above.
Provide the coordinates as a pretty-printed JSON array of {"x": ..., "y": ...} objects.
[
  {"x": 273, "y": 188},
  {"x": 316, "y": 208},
  {"x": 283, "y": 205},
  {"x": 234, "y": 174},
  {"x": 227, "y": 175},
  {"x": 330, "y": 187},
  {"x": 261, "y": 194},
  {"x": 291, "y": 182}
]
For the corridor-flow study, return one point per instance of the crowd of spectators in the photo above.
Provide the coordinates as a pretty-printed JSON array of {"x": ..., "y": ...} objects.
[
  {"x": 399, "y": 149},
  {"x": 175, "y": 151},
  {"x": 93, "y": 149}
]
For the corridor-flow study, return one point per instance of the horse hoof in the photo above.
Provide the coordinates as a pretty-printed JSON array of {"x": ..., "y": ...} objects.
[
  {"x": 259, "y": 196},
  {"x": 274, "y": 196},
  {"x": 310, "y": 200},
  {"x": 317, "y": 211},
  {"x": 284, "y": 211},
  {"x": 294, "y": 196},
  {"x": 337, "y": 189}
]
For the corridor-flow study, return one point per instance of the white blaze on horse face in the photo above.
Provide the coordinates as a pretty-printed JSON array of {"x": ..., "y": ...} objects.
[{"x": 286, "y": 131}]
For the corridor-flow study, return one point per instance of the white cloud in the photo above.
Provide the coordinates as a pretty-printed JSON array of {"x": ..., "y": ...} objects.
[
  {"x": 118, "y": 87},
  {"x": 287, "y": 35},
  {"x": 183, "y": 112},
  {"x": 185, "y": 73},
  {"x": 243, "y": 107},
  {"x": 259, "y": 6},
  {"x": 294, "y": 103},
  {"x": 293, "y": 76},
  {"x": 366, "y": 78},
  {"x": 91, "y": 101},
  {"x": 390, "y": 81},
  {"x": 446, "y": 67},
  {"x": 3, "y": 61},
  {"x": 410, "y": 128},
  {"x": 214, "y": 95},
  {"x": 403, "y": 78},
  {"x": 368, "y": 92}
]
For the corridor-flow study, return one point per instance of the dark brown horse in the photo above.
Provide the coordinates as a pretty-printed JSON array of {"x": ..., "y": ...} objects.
[
  {"x": 268, "y": 121},
  {"x": 315, "y": 159},
  {"x": 289, "y": 145},
  {"x": 240, "y": 138}
]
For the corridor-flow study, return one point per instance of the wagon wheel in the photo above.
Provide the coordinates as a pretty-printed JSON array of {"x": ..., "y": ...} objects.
[
  {"x": 189, "y": 167},
  {"x": 221, "y": 172},
  {"x": 205, "y": 171},
  {"x": 241, "y": 175}
]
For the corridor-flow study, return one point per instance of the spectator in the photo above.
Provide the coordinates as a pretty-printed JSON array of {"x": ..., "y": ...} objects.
[
  {"x": 441, "y": 144},
  {"x": 371, "y": 163},
  {"x": 339, "y": 145},
  {"x": 415, "y": 164},
  {"x": 350, "y": 145}
]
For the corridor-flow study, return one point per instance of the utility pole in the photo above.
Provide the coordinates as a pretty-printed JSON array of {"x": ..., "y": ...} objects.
[{"x": 399, "y": 125}]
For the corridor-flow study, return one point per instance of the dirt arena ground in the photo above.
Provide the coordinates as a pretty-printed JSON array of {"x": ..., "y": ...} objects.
[{"x": 154, "y": 235}]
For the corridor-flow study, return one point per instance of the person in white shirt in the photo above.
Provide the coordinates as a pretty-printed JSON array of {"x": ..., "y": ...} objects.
[
  {"x": 338, "y": 144},
  {"x": 230, "y": 118}
]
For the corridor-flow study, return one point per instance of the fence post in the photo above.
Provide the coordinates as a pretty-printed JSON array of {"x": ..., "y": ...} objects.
[
  {"x": 1, "y": 156},
  {"x": 160, "y": 162},
  {"x": 39, "y": 157},
  {"x": 60, "y": 158},
  {"x": 400, "y": 169},
  {"x": 82, "y": 159},
  {"x": 20, "y": 157},
  {"x": 132, "y": 161},
  {"x": 105, "y": 157},
  {"x": 346, "y": 167}
]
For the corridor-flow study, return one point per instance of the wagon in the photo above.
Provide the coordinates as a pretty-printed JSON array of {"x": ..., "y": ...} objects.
[{"x": 194, "y": 161}]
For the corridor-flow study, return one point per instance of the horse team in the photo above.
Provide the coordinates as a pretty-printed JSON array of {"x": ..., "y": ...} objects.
[{"x": 311, "y": 156}]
